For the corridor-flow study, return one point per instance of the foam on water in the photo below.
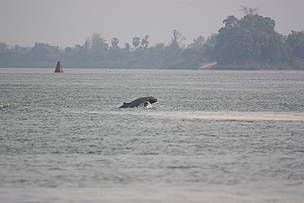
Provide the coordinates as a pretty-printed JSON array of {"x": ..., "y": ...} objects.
[{"x": 246, "y": 116}]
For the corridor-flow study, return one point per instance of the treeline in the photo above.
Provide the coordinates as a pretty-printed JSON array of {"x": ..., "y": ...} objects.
[
  {"x": 253, "y": 41},
  {"x": 247, "y": 42},
  {"x": 96, "y": 52}
]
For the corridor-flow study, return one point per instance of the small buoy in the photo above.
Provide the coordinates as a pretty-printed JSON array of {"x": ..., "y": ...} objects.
[{"x": 59, "y": 67}]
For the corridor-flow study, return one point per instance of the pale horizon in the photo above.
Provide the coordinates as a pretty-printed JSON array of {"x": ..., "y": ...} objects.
[{"x": 70, "y": 22}]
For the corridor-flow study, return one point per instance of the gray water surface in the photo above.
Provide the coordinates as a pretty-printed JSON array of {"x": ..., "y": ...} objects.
[{"x": 213, "y": 136}]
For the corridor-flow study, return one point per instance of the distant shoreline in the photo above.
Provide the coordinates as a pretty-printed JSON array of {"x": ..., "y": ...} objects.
[{"x": 247, "y": 68}]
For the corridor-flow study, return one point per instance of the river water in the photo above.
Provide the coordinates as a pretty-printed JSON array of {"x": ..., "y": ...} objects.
[{"x": 213, "y": 136}]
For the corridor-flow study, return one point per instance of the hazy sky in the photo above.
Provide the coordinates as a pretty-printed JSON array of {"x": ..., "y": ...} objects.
[{"x": 70, "y": 22}]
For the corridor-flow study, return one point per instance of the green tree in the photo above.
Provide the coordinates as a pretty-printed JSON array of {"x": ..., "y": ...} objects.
[
  {"x": 177, "y": 39},
  {"x": 249, "y": 11},
  {"x": 145, "y": 42},
  {"x": 136, "y": 42},
  {"x": 295, "y": 41},
  {"x": 3, "y": 47},
  {"x": 127, "y": 46},
  {"x": 252, "y": 40},
  {"x": 98, "y": 44},
  {"x": 115, "y": 42}
]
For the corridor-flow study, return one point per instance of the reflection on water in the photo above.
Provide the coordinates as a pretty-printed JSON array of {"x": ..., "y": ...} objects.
[
  {"x": 142, "y": 194},
  {"x": 241, "y": 116}
]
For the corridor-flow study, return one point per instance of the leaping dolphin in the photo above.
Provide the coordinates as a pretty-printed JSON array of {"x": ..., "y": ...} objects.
[{"x": 142, "y": 101}]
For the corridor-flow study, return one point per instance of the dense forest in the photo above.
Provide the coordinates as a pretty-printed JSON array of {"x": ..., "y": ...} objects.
[{"x": 248, "y": 42}]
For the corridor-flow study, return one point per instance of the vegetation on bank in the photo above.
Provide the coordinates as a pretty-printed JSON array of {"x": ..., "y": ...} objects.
[
  {"x": 250, "y": 41},
  {"x": 253, "y": 42}
]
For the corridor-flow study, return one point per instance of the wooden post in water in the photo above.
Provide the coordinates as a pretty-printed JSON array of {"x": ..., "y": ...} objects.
[{"x": 59, "y": 67}]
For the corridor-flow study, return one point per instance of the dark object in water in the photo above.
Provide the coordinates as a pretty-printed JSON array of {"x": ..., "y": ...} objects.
[
  {"x": 2, "y": 106},
  {"x": 59, "y": 67},
  {"x": 138, "y": 102}
]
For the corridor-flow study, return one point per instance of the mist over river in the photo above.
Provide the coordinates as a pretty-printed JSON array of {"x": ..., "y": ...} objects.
[{"x": 213, "y": 136}]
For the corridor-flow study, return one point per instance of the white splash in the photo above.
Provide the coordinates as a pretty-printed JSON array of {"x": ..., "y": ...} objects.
[{"x": 2, "y": 106}]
